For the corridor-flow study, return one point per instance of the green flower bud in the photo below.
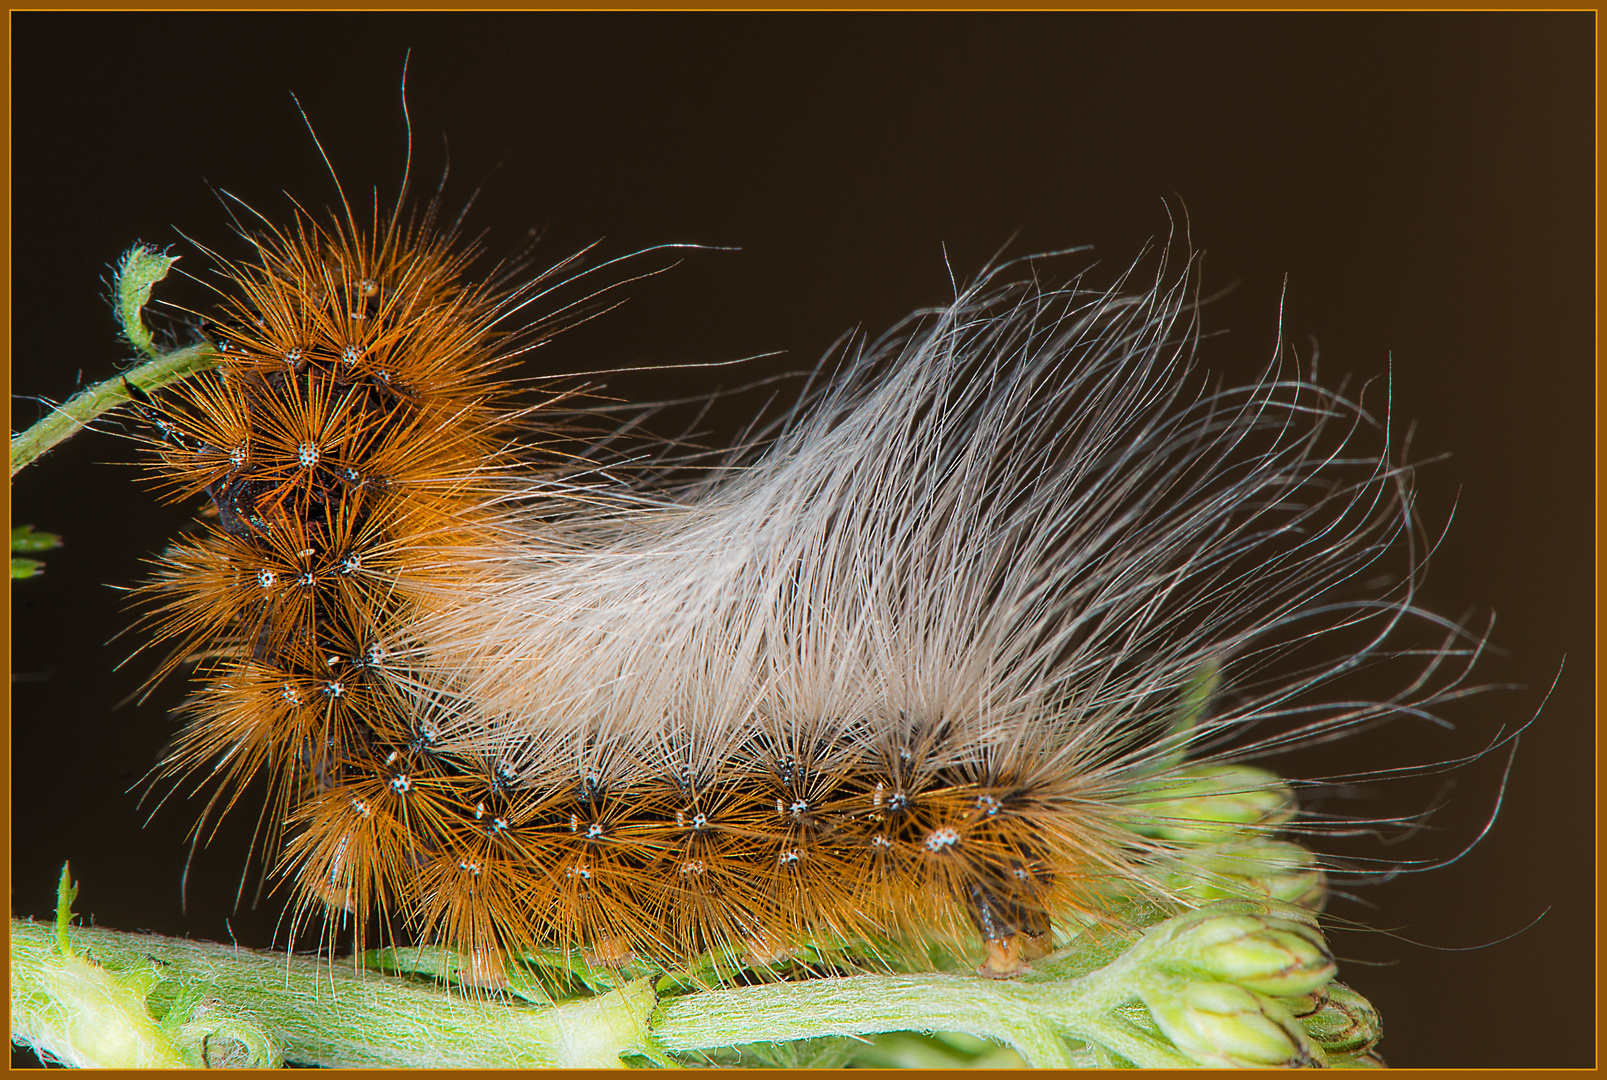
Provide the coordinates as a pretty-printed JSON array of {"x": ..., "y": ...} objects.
[
  {"x": 1301, "y": 1006},
  {"x": 1346, "y": 1023},
  {"x": 1213, "y": 804},
  {"x": 1262, "y": 952},
  {"x": 1221, "y": 1024},
  {"x": 1278, "y": 870}
]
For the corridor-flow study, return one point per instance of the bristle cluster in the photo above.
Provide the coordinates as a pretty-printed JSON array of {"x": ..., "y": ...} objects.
[
  {"x": 347, "y": 444},
  {"x": 915, "y": 671}
]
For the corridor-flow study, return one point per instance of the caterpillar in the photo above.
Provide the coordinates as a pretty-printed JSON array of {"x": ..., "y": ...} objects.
[{"x": 922, "y": 666}]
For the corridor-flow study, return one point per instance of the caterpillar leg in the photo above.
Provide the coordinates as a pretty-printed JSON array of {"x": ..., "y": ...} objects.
[{"x": 1014, "y": 931}]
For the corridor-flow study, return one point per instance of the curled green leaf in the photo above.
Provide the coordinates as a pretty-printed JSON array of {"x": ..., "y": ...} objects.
[{"x": 138, "y": 271}]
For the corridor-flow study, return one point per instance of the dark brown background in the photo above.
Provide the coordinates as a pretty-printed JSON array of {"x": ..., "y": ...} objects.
[{"x": 1421, "y": 182}]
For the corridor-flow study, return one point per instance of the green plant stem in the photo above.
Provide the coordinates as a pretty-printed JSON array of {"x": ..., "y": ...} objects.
[
  {"x": 318, "y": 1013},
  {"x": 72, "y": 417},
  {"x": 1034, "y": 1018},
  {"x": 99, "y": 997}
]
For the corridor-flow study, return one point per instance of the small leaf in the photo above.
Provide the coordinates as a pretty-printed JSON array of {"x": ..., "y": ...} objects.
[
  {"x": 23, "y": 538},
  {"x": 66, "y": 893},
  {"x": 139, "y": 270}
]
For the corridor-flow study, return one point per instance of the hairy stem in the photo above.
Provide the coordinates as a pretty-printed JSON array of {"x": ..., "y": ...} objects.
[
  {"x": 1222, "y": 984},
  {"x": 176, "y": 993},
  {"x": 115, "y": 999},
  {"x": 302, "y": 1009},
  {"x": 72, "y": 417}
]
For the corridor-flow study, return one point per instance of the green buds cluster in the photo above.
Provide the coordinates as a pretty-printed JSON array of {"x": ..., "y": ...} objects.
[
  {"x": 1246, "y": 979},
  {"x": 1228, "y": 1026},
  {"x": 1240, "y": 985}
]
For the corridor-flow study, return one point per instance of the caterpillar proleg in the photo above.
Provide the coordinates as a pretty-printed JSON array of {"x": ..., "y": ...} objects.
[{"x": 927, "y": 667}]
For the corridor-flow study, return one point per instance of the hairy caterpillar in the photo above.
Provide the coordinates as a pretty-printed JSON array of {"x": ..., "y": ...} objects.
[
  {"x": 1429, "y": 222},
  {"x": 925, "y": 668}
]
